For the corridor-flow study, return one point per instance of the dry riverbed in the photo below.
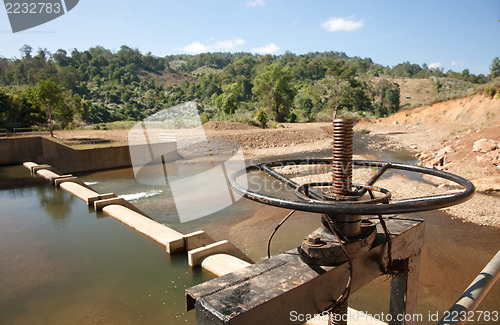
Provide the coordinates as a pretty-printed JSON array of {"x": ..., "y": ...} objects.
[
  {"x": 452, "y": 148},
  {"x": 449, "y": 147}
]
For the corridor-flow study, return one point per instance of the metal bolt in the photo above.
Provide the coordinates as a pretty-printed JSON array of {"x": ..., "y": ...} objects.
[{"x": 314, "y": 240}]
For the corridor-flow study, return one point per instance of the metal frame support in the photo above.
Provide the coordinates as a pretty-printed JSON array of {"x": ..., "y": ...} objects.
[
  {"x": 267, "y": 292},
  {"x": 404, "y": 288}
]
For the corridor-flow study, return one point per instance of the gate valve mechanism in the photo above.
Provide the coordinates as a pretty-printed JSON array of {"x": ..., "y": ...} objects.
[
  {"x": 344, "y": 233},
  {"x": 342, "y": 203}
]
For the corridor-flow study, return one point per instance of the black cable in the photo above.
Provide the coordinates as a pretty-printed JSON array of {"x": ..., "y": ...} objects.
[
  {"x": 347, "y": 290},
  {"x": 274, "y": 232},
  {"x": 390, "y": 267}
]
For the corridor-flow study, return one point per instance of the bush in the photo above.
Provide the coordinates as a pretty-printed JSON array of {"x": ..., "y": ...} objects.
[
  {"x": 364, "y": 131},
  {"x": 324, "y": 116},
  {"x": 490, "y": 91},
  {"x": 204, "y": 117},
  {"x": 261, "y": 116}
]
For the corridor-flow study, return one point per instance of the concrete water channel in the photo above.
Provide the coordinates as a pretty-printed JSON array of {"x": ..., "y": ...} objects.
[{"x": 63, "y": 264}]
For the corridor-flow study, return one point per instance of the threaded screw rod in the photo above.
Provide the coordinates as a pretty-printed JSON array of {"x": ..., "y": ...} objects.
[
  {"x": 339, "y": 315},
  {"x": 342, "y": 156}
]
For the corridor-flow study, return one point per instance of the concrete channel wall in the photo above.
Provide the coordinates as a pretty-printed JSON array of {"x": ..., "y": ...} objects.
[{"x": 69, "y": 160}]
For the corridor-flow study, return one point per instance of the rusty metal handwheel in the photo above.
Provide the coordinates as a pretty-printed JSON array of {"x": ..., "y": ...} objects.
[{"x": 311, "y": 202}]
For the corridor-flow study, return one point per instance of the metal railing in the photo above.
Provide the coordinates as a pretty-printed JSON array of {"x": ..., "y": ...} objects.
[
  {"x": 463, "y": 310},
  {"x": 21, "y": 131}
]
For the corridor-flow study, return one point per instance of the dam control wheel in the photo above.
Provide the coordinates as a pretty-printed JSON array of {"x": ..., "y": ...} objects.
[
  {"x": 344, "y": 233},
  {"x": 353, "y": 204},
  {"x": 342, "y": 203}
]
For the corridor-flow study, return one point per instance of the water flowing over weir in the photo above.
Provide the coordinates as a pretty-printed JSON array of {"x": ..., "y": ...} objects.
[{"x": 236, "y": 222}]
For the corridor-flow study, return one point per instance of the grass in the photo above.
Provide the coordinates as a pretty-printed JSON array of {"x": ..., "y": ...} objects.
[
  {"x": 364, "y": 131},
  {"x": 84, "y": 146}
]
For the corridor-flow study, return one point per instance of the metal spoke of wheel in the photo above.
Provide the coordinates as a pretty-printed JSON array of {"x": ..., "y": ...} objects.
[{"x": 315, "y": 203}]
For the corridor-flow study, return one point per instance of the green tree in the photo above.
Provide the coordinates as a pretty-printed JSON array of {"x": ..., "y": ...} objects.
[
  {"x": 274, "y": 90},
  {"x": 48, "y": 95},
  {"x": 229, "y": 101},
  {"x": 5, "y": 106},
  {"x": 391, "y": 100},
  {"x": 495, "y": 68},
  {"x": 304, "y": 104},
  {"x": 331, "y": 92},
  {"x": 26, "y": 51}
]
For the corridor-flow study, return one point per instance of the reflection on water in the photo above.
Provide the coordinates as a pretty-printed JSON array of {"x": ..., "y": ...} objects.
[
  {"x": 91, "y": 271},
  {"x": 56, "y": 204}
]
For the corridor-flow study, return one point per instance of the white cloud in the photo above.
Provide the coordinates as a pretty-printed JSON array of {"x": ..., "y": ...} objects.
[
  {"x": 460, "y": 64},
  {"x": 195, "y": 47},
  {"x": 343, "y": 23},
  {"x": 228, "y": 45},
  {"x": 435, "y": 65},
  {"x": 266, "y": 49},
  {"x": 222, "y": 46},
  {"x": 256, "y": 3}
]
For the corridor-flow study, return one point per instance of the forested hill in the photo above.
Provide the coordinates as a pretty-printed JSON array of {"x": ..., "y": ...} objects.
[{"x": 97, "y": 85}]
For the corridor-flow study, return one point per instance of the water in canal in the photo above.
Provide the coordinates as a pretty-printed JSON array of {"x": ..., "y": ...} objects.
[{"x": 61, "y": 264}]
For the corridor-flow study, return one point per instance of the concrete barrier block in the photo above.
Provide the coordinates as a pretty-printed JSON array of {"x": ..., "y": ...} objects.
[
  {"x": 54, "y": 179},
  {"x": 30, "y": 165},
  {"x": 197, "y": 239},
  {"x": 36, "y": 168},
  {"x": 81, "y": 192},
  {"x": 59, "y": 181},
  {"x": 170, "y": 238},
  {"x": 175, "y": 246},
  {"x": 71, "y": 178},
  {"x": 48, "y": 174},
  {"x": 100, "y": 204},
  {"x": 220, "y": 264},
  {"x": 105, "y": 196},
  {"x": 196, "y": 256}
]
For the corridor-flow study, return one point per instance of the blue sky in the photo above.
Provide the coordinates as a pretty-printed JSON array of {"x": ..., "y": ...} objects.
[{"x": 453, "y": 35}]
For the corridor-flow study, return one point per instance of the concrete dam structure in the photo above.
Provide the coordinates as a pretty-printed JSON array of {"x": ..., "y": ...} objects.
[{"x": 66, "y": 159}]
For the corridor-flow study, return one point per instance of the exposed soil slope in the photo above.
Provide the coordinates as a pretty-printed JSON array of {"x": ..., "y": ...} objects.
[
  {"x": 477, "y": 110},
  {"x": 446, "y": 137}
]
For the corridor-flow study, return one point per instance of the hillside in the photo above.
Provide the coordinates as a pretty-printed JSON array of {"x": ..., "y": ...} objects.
[
  {"x": 478, "y": 110},
  {"x": 167, "y": 78},
  {"x": 98, "y": 86}
]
